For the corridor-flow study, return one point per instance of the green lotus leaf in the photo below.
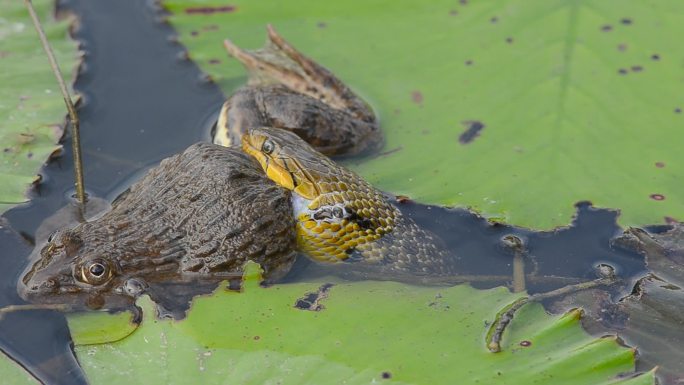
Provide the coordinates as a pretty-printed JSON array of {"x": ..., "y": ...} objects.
[
  {"x": 361, "y": 333},
  {"x": 14, "y": 374},
  {"x": 517, "y": 109},
  {"x": 31, "y": 106}
]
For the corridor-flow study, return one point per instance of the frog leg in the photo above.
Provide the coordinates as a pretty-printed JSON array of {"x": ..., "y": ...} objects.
[
  {"x": 290, "y": 91},
  {"x": 325, "y": 85}
]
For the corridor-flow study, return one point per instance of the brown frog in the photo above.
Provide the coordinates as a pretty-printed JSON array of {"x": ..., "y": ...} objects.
[{"x": 198, "y": 216}]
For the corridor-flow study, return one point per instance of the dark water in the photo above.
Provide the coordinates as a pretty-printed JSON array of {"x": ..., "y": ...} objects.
[{"x": 144, "y": 102}]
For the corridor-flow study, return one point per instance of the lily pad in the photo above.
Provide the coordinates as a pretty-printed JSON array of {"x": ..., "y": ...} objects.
[
  {"x": 516, "y": 109},
  {"x": 12, "y": 373},
  {"x": 31, "y": 107},
  {"x": 361, "y": 333}
]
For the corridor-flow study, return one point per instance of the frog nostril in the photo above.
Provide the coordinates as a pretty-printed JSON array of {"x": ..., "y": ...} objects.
[{"x": 50, "y": 284}]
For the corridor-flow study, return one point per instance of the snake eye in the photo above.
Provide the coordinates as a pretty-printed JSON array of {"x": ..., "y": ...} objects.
[
  {"x": 268, "y": 146},
  {"x": 95, "y": 272},
  {"x": 338, "y": 212}
]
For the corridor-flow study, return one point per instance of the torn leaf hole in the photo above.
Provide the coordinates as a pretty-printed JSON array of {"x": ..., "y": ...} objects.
[
  {"x": 472, "y": 131},
  {"x": 313, "y": 301}
]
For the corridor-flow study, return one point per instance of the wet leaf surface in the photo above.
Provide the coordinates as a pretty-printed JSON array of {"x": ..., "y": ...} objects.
[
  {"x": 31, "y": 107},
  {"x": 364, "y": 332},
  {"x": 580, "y": 100}
]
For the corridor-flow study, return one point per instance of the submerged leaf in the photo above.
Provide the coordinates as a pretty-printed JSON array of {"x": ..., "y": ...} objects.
[{"x": 650, "y": 317}]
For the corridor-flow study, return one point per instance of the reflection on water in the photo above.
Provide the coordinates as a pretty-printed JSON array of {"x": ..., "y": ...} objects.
[{"x": 142, "y": 104}]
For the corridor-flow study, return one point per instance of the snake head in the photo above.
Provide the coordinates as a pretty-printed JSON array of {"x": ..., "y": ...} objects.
[{"x": 289, "y": 161}]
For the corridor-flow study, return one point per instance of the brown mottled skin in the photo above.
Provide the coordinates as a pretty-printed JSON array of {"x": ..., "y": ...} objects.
[{"x": 200, "y": 214}]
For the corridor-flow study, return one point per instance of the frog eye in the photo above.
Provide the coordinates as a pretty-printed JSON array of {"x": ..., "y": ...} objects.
[
  {"x": 97, "y": 269},
  {"x": 268, "y": 146},
  {"x": 95, "y": 272}
]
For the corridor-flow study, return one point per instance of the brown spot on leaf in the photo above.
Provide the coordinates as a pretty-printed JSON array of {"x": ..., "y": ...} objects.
[
  {"x": 453, "y": 12},
  {"x": 194, "y": 33},
  {"x": 671, "y": 221},
  {"x": 463, "y": 2},
  {"x": 678, "y": 110},
  {"x": 626, "y": 21},
  {"x": 4, "y": 54},
  {"x": 257, "y": 338},
  {"x": 525, "y": 343},
  {"x": 210, "y": 27},
  {"x": 660, "y": 164},
  {"x": 606, "y": 28},
  {"x": 472, "y": 131},
  {"x": 655, "y": 57},
  {"x": 321, "y": 24},
  {"x": 494, "y": 20},
  {"x": 622, "y": 71},
  {"x": 386, "y": 375},
  {"x": 29, "y": 155},
  {"x": 509, "y": 40},
  {"x": 637, "y": 68},
  {"x": 622, "y": 47},
  {"x": 210, "y": 10},
  {"x": 468, "y": 62},
  {"x": 214, "y": 61},
  {"x": 417, "y": 97},
  {"x": 657, "y": 197}
]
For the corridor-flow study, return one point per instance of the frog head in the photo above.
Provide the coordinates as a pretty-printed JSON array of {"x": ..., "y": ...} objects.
[{"x": 67, "y": 270}]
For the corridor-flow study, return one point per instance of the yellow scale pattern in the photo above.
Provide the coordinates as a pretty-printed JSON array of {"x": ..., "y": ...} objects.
[{"x": 368, "y": 217}]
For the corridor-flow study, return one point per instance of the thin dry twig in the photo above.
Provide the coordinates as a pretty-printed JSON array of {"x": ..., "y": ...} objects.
[{"x": 73, "y": 117}]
